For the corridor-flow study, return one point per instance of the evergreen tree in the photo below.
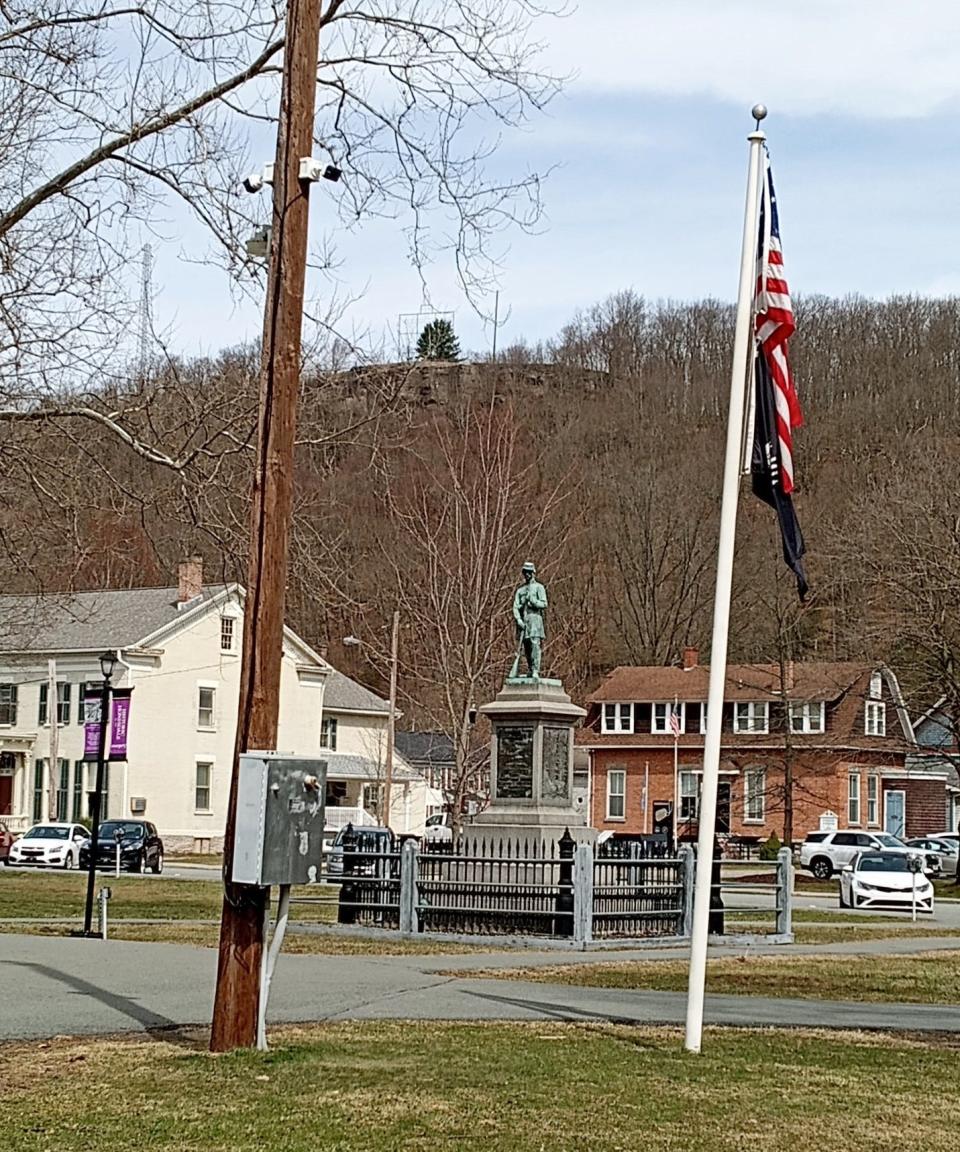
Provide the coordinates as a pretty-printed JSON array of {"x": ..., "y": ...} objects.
[{"x": 438, "y": 342}]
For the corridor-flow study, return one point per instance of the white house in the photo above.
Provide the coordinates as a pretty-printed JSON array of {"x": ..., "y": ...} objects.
[
  {"x": 354, "y": 742},
  {"x": 179, "y": 651}
]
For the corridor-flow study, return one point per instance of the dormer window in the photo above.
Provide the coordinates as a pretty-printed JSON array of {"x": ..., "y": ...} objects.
[
  {"x": 807, "y": 717},
  {"x": 875, "y": 719},
  {"x": 226, "y": 633},
  {"x": 876, "y": 686},
  {"x": 661, "y": 715},
  {"x": 617, "y": 718},
  {"x": 751, "y": 716}
]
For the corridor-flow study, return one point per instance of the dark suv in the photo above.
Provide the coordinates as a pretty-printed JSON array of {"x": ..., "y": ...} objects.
[{"x": 140, "y": 846}]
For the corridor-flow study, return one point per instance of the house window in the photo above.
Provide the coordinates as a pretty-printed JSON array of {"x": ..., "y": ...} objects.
[
  {"x": 853, "y": 798},
  {"x": 703, "y": 719},
  {"x": 873, "y": 799},
  {"x": 328, "y": 733},
  {"x": 662, "y": 714},
  {"x": 38, "y": 790},
  {"x": 63, "y": 789},
  {"x": 78, "y": 770},
  {"x": 226, "y": 633},
  {"x": 751, "y": 717},
  {"x": 876, "y": 686},
  {"x": 616, "y": 794},
  {"x": 82, "y": 689},
  {"x": 206, "y": 704},
  {"x": 201, "y": 796},
  {"x": 63, "y": 703},
  {"x": 689, "y": 795},
  {"x": 807, "y": 717},
  {"x": 754, "y": 795},
  {"x": 8, "y": 703},
  {"x": 617, "y": 718},
  {"x": 875, "y": 721}
]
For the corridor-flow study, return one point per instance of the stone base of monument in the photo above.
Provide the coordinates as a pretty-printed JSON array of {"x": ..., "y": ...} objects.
[{"x": 531, "y": 766}]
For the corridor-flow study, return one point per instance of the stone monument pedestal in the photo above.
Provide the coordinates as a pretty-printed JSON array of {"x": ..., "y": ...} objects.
[{"x": 531, "y": 765}]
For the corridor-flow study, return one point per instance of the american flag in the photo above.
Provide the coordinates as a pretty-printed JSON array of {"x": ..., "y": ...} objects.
[
  {"x": 775, "y": 326},
  {"x": 675, "y": 720},
  {"x": 775, "y": 410}
]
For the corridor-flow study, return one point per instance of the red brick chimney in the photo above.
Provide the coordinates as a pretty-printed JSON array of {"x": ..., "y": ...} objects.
[
  {"x": 189, "y": 579},
  {"x": 691, "y": 657}
]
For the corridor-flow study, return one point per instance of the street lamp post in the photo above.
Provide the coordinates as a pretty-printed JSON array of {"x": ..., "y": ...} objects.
[
  {"x": 108, "y": 662},
  {"x": 354, "y": 642}
]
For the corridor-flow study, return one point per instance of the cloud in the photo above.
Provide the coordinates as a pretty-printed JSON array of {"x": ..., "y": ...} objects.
[{"x": 867, "y": 58}]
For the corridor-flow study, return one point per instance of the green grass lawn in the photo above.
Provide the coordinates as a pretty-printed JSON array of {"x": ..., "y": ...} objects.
[
  {"x": 545, "y": 1087},
  {"x": 59, "y": 895},
  {"x": 922, "y": 978}
]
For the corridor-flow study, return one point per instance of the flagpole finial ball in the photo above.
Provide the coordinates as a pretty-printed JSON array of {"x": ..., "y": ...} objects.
[{"x": 759, "y": 112}]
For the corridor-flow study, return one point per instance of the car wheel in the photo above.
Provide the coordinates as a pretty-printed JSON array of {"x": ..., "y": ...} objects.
[
  {"x": 821, "y": 868},
  {"x": 68, "y": 861},
  {"x": 158, "y": 864},
  {"x": 140, "y": 864},
  {"x": 843, "y": 903}
]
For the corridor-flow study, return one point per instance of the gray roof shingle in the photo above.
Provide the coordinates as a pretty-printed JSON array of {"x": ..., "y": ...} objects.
[
  {"x": 88, "y": 621},
  {"x": 342, "y": 694},
  {"x": 345, "y": 766}
]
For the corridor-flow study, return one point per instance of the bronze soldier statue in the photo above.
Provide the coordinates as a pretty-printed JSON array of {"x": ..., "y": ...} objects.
[{"x": 529, "y": 606}]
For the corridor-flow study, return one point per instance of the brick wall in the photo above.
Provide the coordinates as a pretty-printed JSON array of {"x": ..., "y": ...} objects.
[{"x": 925, "y": 804}]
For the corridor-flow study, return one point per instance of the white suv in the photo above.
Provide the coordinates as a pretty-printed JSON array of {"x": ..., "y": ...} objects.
[{"x": 824, "y": 853}]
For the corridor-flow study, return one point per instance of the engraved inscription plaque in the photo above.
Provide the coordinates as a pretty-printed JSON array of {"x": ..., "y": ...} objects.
[
  {"x": 556, "y": 764},
  {"x": 515, "y": 763}
]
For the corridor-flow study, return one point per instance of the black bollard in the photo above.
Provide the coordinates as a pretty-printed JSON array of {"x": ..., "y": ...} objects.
[
  {"x": 563, "y": 925},
  {"x": 347, "y": 908}
]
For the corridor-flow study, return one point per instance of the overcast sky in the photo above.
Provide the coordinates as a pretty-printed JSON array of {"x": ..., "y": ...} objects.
[{"x": 650, "y": 142}]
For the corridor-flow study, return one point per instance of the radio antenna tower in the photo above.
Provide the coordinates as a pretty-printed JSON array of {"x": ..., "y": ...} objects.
[{"x": 146, "y": 314}]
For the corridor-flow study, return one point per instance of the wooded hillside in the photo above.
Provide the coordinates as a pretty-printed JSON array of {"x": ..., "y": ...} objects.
[{"x": 598, "y": 455}]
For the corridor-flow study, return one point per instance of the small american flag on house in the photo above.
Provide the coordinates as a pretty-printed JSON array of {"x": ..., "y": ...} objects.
[{"x": 675, "y": 720}]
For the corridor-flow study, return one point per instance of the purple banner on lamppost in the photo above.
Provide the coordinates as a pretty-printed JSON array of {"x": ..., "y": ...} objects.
[
  {"x": 91, "y": 723},
  {"x": 119, "y": 721}
]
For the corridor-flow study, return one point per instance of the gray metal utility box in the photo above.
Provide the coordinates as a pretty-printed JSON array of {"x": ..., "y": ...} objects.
[{"x": 280, "y": 815}]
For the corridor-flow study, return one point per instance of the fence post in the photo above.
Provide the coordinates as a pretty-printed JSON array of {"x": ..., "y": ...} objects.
[
  {"x": 583, "y": 895},
  {"x": 563, "y": 925},
  {"x": 347, "y": 907},
  {"x": 715, "y": 923},
  {"x": 785, "y": 892},
  {"x": 687, "y": 876},
  {"x": 409, "y": 873}
]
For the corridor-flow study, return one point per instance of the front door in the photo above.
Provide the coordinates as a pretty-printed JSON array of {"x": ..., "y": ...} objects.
[
  {"x": 723, "y": 807},
  {"x": 895, "y": 812},
  {"x": 6, "y": 795}
]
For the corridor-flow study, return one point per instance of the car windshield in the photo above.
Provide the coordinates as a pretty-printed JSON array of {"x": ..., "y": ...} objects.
[
  {"x": 47, "y": 832},
  {"x": 883, "y": 862},
  {"x": 110, "y": 828},
  {"x": 889, "y": 841}
]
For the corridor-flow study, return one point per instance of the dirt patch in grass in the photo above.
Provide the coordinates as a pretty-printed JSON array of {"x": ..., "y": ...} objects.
[
  {"x": 923, "y": 978},
  {"x": 383, "y": 1087}
]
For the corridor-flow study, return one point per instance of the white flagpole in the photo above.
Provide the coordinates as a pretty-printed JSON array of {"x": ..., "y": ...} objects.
[{"x": 742, "y": 347}]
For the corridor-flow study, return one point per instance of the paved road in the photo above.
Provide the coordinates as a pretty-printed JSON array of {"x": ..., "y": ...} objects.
[{"x": 61, "y": 986}]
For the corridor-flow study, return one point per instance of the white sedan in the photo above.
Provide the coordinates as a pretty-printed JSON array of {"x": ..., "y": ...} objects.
[
  {"x": 885, "y": 880},
  {"x": 54, "y": 845}
]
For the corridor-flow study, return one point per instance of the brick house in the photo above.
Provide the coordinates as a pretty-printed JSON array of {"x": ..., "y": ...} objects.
[{"x": 843, "y": 726}]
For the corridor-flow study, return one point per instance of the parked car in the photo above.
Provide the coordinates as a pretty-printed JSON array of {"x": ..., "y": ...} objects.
[
  {"x": 53, "y": 845},
  {"x": 948, "y": 850},
  {"x": 140, "y": 846},
  {"x": 7, "y": 839},
  {"x": 884, "y": 880},
  {"x": 369, "y": 840},
  {"x": 437, "y": 829},
  {"x": 824, "y": 853}
]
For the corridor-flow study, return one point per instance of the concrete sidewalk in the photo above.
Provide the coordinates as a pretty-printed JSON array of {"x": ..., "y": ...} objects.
[{"x": 56, "y": 985}]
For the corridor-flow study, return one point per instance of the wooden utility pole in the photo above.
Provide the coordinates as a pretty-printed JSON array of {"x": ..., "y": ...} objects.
[
  {"x": 392, "y": 718},
  {"x": 53, "y": 759},
  {"x": 244, "y": 906}
]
